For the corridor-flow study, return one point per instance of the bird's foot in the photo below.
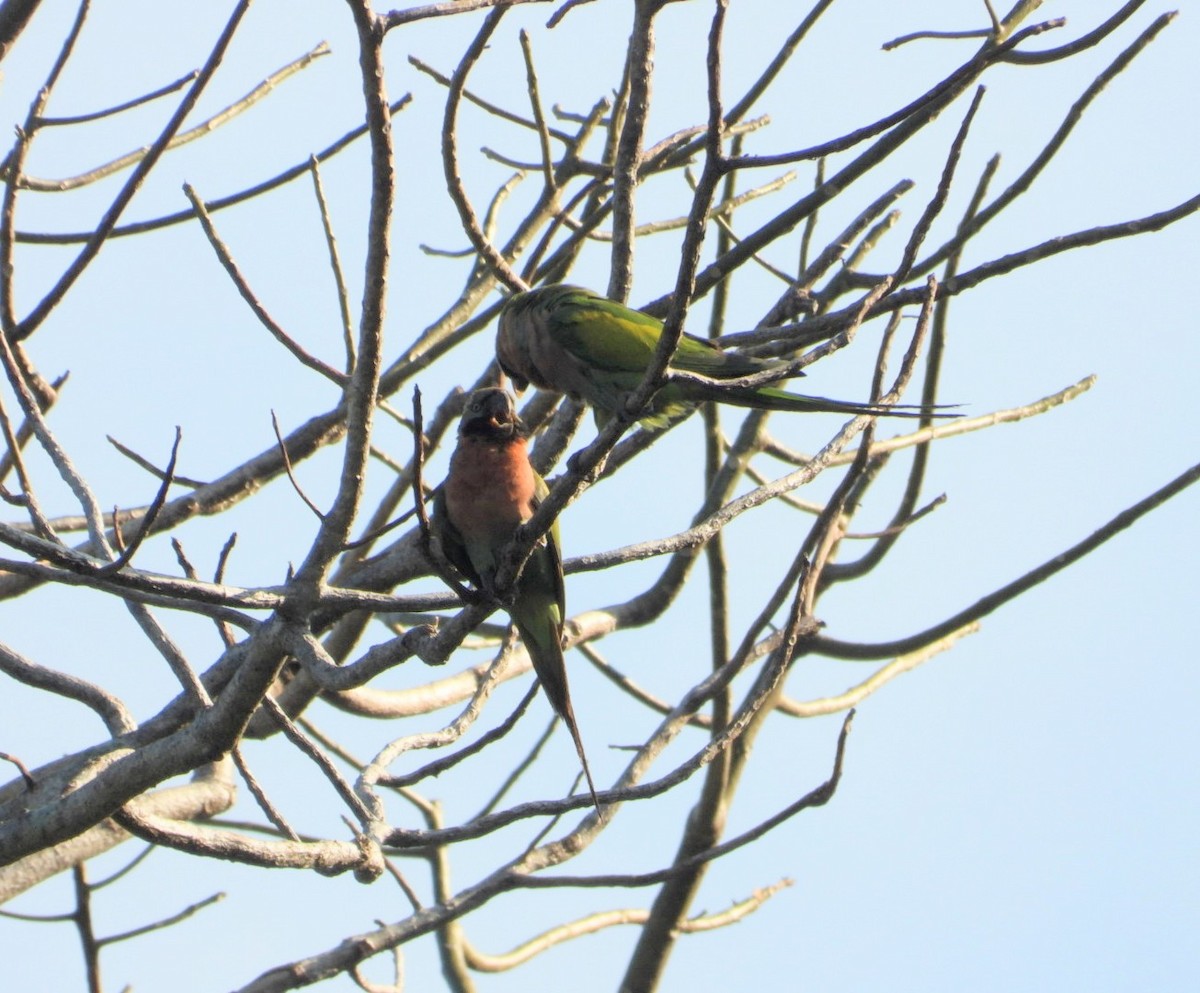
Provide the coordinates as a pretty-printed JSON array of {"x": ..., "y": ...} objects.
[{"x": 471, "y": 596}]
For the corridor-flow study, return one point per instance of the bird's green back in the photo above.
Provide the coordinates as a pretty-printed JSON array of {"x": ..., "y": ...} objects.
[{"x": 614, "y": 338}]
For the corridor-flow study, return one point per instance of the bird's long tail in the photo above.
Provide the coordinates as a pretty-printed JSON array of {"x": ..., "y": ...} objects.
[
  {"x": 542, "y": 637},
  {"x": 770, "y": 398}
]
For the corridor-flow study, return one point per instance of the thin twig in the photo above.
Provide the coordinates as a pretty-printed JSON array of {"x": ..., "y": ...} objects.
[
  {"x": 287, "y": 464},
  {"x": 817, "y": 797},
  {"x": 437, "y": 767},
  {"x": 150, "y": 467},
  {"x": 322, "y": 761},
  {"x": 189, "y": 911},
  {"x": 396, "y": 18},
  {"x": 539, "y": 115},
  {"x": 220, "y": 203},
  {"x": 26, "y": 775},
  {"x": 148, "y": 161},
  {"x": 182, "y": 138},
  {"x": 432, "y": 549},
  {"x": 274, "y": 815},
  {"x": 243, "y": 287},
  {"x": 888, "y": 46},
  {"x": 335, "y": 262},
  {"x": 120, "y": 108},
  {"x": 454, "y": 182},
  {"x": 148, "y": 518},
  {"x": 836, "y": 648}
]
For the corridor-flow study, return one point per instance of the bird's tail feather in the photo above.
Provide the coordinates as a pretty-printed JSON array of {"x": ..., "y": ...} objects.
[
  {"x": 774, "y": 399},
  {"x": 543, "y": 642}
]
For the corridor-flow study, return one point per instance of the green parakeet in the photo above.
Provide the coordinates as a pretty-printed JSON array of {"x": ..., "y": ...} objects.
[{"x": 571, "y": 340}]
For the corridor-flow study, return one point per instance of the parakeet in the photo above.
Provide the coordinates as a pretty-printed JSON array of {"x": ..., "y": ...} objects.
[
  {"x": 491, "y": 490},
  {"x": 571, "y": 340}
]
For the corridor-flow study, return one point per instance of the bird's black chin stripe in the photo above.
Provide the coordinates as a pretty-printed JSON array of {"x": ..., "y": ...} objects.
[{"x": 489, "y": 430}]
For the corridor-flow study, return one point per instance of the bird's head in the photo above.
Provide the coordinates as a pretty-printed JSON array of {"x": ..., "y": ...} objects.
[
  {"x": 525, "y": 339},
  {"x": 491, "y": 414},
  {"x": 512, "y": 345}
]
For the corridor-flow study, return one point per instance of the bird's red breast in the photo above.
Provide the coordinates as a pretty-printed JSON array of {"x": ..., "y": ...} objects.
[{"x": 490, "y": 487}]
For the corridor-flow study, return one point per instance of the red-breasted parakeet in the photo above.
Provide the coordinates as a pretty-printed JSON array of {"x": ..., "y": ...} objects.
[{"x": 490, "y": 491}]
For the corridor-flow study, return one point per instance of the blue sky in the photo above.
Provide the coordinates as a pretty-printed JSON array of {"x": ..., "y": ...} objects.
[{"x": 1018, "y": 814}]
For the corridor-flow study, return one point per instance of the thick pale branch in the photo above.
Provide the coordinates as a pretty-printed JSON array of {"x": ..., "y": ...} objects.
[{"x": 209, "y": 794}]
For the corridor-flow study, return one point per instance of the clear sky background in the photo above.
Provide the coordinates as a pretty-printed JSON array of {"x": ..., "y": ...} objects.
[{"x": 1019, "y": 814}]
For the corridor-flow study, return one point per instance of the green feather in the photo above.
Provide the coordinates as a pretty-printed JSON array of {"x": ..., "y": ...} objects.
[{"x": 569, "y": 339}]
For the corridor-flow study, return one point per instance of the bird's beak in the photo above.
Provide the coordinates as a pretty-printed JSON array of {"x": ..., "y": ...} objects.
[{"x": 518, "y": 387}]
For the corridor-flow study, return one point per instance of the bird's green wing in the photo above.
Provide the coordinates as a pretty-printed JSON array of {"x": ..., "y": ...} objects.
[
  {"x": 540, "y": 620},
  {"x": 617, "y": 339},
  {"x": 604, "y": 334},
  {"x": 451, "y": 539},
  {"x": 553, "y": 551}
]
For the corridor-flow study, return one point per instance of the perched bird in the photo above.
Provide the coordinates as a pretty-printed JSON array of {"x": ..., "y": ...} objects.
[
  {"x": 490, "y": 492},
  {"x": 574, "y": 341}
]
